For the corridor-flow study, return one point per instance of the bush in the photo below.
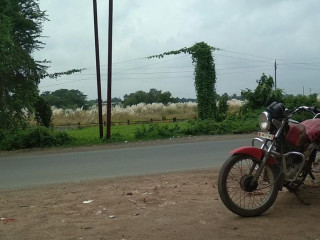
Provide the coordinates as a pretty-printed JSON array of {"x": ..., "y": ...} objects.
[
  {"x": 262, "y": 96},
  {"x": 154, "y": 130},
  {"x": 43, "y": 113},
  {"x": 115, "y": 137},
  {"x": 231, "y": 125},
  {"x": 292, "y": 102},
  {"x": 38, "y": 137}
]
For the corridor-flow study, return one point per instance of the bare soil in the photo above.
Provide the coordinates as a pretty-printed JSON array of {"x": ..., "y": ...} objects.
[{"x": 183, "y": 205}]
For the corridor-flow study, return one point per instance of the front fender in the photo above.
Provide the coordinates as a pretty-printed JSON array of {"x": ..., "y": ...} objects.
[{"x": 255, "y": 152}]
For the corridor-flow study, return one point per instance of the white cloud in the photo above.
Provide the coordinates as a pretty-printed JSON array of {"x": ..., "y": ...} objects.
[{"x": 283, "y": 30}]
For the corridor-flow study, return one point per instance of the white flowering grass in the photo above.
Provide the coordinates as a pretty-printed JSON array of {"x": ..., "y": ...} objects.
[
  {"x": 139, "y": 112},
  {"x": 234, "y": 105}
]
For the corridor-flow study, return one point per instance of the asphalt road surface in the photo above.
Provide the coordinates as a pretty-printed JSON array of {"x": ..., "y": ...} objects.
[{"x": 27, "y": 170}]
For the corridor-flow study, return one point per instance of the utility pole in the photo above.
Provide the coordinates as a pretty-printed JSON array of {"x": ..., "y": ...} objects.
[
  {"x": 275, "y": 74},
  {"x": 96, "y": 36},
  {"x": 109, "y": 69}
]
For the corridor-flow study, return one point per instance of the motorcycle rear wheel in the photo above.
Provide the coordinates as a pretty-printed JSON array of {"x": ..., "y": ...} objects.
[{"x": 237, "y": 195}]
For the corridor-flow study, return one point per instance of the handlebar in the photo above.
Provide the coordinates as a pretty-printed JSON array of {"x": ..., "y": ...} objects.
[
  {"x": 315, "y": 110},
  {"x": 278, "y": 110}
]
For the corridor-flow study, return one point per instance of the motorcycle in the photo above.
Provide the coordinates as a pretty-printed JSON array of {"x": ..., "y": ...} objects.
[{"x": 250, "y": 179}]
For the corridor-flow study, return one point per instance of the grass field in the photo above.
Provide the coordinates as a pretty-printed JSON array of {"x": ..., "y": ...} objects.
[
  {"x": 79, "y": 127},
  {"x": 139, "y": 112},
  {"x": 133, "y": 132}
]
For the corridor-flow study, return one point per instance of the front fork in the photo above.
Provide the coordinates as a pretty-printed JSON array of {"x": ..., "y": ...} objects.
[
  {"x": 268, "y": 152},
  {"x": 261, "y": 165}
]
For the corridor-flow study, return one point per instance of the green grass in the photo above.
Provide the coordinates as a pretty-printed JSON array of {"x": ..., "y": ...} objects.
[
  {"x": 42, "y": 137},
  {"x": 136, "y": 132},
  {"x": 119, "y": 133}
]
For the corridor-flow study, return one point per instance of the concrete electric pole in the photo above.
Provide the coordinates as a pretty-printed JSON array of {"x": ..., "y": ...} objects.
[
  {"x": 275, "y": 74},
  {"x": 109, "y": 69}
]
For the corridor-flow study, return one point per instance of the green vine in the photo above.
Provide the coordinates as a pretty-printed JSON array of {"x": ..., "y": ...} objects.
[
  {"x": 205, "y": 76},
  {"x": 59, "y": 74}
]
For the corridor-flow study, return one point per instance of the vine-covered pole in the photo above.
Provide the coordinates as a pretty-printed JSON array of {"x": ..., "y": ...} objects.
[{"x": 205, "y": 77}]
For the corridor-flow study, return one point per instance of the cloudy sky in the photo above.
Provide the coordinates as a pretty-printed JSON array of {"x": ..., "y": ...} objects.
[{"x": 251, "y": 34}]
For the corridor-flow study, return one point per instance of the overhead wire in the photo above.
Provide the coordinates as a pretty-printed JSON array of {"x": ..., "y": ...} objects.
[{"x": 282, "y": 64}]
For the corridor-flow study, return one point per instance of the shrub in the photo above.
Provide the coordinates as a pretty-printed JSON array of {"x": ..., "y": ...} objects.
[
  {"x": 37, "y": 137},
  {"x": 43, "y": 113},
  {"x": 115, "y": 137},
  {"x": 232, "y": 124},
  {"x": 154, "y": 130},
  {"x": 262, "y": 96}
]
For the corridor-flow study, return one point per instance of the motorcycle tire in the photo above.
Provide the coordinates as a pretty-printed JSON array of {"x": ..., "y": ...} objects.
[{"x": 235, "y": 192}]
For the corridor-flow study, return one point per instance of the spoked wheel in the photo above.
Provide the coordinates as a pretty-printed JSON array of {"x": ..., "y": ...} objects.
[{"x": 239, "y": 193}]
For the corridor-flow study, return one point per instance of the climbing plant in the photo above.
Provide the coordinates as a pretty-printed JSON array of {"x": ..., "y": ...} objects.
[{"x": 205, "y": 76}]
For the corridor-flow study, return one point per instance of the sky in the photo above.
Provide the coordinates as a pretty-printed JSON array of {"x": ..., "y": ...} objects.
[{"x": 252, "y": 35}]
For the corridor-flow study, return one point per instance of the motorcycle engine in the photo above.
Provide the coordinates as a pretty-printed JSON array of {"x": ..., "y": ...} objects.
[{"x": 293, "y": 163}]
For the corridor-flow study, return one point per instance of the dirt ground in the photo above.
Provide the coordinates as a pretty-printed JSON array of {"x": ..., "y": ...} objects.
[{"x": 183, "y": 205}]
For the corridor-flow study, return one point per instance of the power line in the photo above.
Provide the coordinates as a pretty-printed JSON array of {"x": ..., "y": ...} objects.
[
  {"x": 246, "y": 54},
  {"x": 281, "y": 60},
  {"x": 244, "y": 59},
  {"x": 78, "y": 80},
  {"x": 188, "y": 67},
  {"x": 271, "y": 58},
  {"x": 300, "y": 68},
  {"x": 284, "y": 64},
  {"x": 134, "y": 78}
]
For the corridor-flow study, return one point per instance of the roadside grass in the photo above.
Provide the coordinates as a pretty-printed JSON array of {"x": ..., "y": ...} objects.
[
  {"x": 136, "y": 132},
  {"x": 123, "y": 133},
  {"x": 35, "y": 137}
]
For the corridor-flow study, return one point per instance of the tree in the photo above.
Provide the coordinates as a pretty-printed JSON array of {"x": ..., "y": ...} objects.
[
  {"x": 166, "y": 98},
  {"x": 116, "y": 100},
  {"x": 153, "y": 96},
  {"x": 135, "y": 98},
  {"x": 65, "y": 98},
  {"x": 205, "y": 76},
  {"x": 157, "y": 96},
  {"x": 263, "y": 95},
  {"x": 20, "y": 30},
  {"x": 293, "y": 102}
]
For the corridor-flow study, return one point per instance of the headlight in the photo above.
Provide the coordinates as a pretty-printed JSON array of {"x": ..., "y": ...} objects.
[{"x": 264, "y": 121}]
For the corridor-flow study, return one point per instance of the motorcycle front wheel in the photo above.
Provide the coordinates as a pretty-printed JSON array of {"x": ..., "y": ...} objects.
[{"x": 236, "y": 190}]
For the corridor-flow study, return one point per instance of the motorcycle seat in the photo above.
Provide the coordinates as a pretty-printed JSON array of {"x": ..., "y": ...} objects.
[{"x": 312, "y": 129}]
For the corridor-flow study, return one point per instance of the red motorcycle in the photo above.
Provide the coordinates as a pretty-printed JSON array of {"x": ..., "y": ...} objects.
[{"x": 249, "y": 181}]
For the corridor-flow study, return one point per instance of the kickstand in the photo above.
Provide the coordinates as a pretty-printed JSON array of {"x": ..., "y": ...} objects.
[{"x": 300, "y": 199}]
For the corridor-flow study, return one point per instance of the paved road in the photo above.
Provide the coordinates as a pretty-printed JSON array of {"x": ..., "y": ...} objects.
[{"x": 30, "y": 170}]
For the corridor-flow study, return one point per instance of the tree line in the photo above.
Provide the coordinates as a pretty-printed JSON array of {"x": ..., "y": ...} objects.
[
  {"x": 65, "y": 98},
  {"x": 72, "y": 98}
]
